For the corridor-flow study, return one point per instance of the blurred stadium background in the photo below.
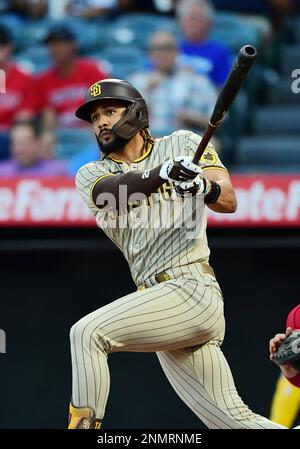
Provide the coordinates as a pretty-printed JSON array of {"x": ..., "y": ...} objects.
[{"x": 57, "y": 266}]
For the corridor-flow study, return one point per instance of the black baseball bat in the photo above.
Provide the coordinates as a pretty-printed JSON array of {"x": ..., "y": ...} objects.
[{"x": 240, "y": 69}]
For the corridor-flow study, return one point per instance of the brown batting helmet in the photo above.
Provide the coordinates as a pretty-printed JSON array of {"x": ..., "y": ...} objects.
[{"x": 136, "y": 117}]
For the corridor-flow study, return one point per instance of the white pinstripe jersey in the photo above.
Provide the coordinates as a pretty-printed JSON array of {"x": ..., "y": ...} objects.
[{"x": 160, "y": 233}]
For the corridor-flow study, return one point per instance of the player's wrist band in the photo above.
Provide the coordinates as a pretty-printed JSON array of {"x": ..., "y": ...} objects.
[{"x": 213, "y": 195}]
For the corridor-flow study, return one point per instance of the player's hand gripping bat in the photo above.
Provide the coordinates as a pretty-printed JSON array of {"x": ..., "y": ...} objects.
[{"x": 233, "y": 83}]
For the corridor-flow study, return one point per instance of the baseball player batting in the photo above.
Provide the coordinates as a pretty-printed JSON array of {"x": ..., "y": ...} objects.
[{"x": 138, "y": 193}]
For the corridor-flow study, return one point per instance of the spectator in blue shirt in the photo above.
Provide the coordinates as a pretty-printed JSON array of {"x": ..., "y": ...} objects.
[
  {"x": 177, "y": 97},
  {"x": 206, "y": 57}
]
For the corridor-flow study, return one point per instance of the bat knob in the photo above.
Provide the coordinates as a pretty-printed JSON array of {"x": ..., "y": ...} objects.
[{"x": 248, "y": 51}]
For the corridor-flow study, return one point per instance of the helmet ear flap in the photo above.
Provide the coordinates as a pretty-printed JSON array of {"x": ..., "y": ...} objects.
[
  {"x": 135, "y": 119},
  {"x": 139, "y": 114}
]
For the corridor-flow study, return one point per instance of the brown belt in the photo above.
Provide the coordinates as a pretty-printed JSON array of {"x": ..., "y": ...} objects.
[{"x": 163, "y": 276}]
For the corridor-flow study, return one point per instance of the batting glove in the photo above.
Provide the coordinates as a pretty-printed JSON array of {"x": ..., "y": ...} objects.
[
  {"x": 180, "y": 169},
  {"x": 198, "y": 186}
]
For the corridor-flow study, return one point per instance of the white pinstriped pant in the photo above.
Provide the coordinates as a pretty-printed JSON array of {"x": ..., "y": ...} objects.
[{"x": 182, "y": 321}]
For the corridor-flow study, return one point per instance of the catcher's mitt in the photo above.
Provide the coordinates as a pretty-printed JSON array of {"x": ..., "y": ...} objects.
[{"x": 289, "y": 351}]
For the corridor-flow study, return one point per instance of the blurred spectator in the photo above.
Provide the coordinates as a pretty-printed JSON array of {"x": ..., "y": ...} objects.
[
  {"x": 62, "y": 88},
  {"x": 210, "y": 58},
  {"x": 91, "y": 153},
  {"x": 48, "y": 144},
  {"x": 90, "y": 9},
  {"x": 29, "y": 9},
  {"x": 152, "y": 6},
  {"x": 19, "y": 99},
  {"x": 26, "y": 153},
  {"x": 177, "y": 97}
]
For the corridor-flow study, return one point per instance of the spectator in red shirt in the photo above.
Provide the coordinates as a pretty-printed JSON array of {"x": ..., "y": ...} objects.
[
  {"x": 18, "y": 95},
  {"x": 62, "y": 88},
  {"x": 27, "y": 158}
]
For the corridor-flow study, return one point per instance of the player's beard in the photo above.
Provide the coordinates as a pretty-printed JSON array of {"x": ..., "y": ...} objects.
[{"x": 114, "y": 145}]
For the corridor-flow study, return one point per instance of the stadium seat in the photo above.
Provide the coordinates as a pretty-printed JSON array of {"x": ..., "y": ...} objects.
[
  {"x": 277, "y": 120},
  {"x": 289, "y": 59},
  {"x": 72, "y": 141},
  {"x": 34, "y": 33},
  {"x": 231, "y": 31},
  {"x": 121, "y": 61},
  {"x": 296, "y": 29},
  {"x": 90, "y": 36},
  {"x": 269, "y": 151},
  {"x": 36, "y": 57},
  {"x": 233, "y": 126},
  {"x": 136, "y": 29},
  {"x": 280, "y": 93},
  {"x": 16, "y": 28}
]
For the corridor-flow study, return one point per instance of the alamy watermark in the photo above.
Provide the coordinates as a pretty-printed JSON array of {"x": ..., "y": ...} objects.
[
  {"x": 2, "y": 342},
  {"x": 159, "y": 211},
  {"x": 2, "y": 82},
  {"x": 296, "y": 83}
]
